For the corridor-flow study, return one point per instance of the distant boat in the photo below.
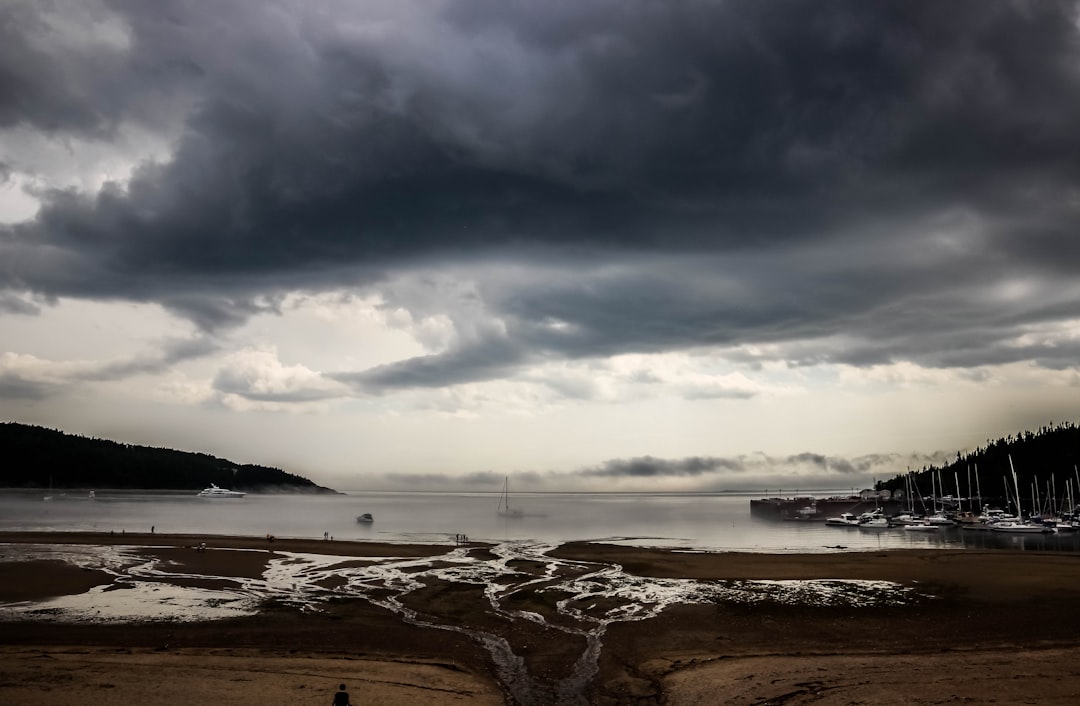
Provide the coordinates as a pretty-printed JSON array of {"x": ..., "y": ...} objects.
[
  {"x": 365, "y": 519},
  {"x": 92, "y": 495},
  {"x": 846, "y": 519},
  {"x": 215, "y": 492},
  {"x": 1021, "y": 528},
  {"x": 924, "y": 527},
  {"x": 504, "y": 502}
]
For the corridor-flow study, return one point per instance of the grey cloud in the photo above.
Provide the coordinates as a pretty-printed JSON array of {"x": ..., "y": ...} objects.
[
  {"x": 481, "y": 480},
  {"x": 647, "y": 466},
  {"x": 13, "y": 304},
  {"x": 229, "y": 383},
  {"x": 755, "y": 472},
  {"x": 170, "y": 353},
  {"x": 16, "y": 387},
  {"x": 803, "y": 152},
  {"x": 473, "y": 362}
]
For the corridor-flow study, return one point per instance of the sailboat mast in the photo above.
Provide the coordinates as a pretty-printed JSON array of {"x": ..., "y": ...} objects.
[
  {"x": 933, "y": 493},
  {"x": 1016, "y": 486},
  {"x": 971, "y": 501},
  {"x": 978, "y": 487}
]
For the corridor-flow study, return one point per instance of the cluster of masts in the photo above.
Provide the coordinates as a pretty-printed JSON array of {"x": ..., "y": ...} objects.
[
  {"x": 1042, "y": 505},
  {"x": 1046, "y": 514}
]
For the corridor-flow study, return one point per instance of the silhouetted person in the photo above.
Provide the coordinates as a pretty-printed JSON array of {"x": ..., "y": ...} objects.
[{"x": 341, "y": 698}]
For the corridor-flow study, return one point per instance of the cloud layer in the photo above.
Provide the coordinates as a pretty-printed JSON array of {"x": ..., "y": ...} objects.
[{"x": 784, "y": 183}]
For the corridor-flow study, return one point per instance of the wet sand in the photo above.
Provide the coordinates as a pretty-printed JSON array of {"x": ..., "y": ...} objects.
[{"x": 993, "y": 627}]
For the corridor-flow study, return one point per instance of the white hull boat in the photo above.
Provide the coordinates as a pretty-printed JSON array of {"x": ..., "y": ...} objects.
[
  {"x": 1021, "y": 528},
  {"x": 215, "y": 492}
]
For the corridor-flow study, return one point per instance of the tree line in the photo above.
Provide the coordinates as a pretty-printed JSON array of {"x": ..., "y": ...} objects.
[
  {"x": 1046, "y": 463},
  {"x": 36, "y": 457}
]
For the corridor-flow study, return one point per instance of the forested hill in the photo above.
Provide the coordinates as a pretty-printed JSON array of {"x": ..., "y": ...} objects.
[
  {"x": 34, "y": 456},
  {"x": 1047, "y": 458}
]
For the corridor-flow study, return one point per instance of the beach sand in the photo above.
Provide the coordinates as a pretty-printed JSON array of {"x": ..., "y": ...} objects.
[{"x": 994, "y": 627}]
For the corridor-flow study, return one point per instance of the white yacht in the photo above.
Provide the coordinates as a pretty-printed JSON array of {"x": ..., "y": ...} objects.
[
  {"x": 215, "y": 492},
  {"x": 1022, "y": 528}
]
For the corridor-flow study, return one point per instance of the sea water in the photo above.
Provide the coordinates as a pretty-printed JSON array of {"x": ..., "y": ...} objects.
[{"x": 712, "y": 522}]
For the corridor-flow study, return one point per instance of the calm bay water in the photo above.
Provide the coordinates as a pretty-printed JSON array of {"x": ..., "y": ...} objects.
[{"x": 720, "y": 522}]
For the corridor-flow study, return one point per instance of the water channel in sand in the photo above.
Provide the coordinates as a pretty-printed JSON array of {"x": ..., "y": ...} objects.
[
  {"x": 579, "y": 600},
  {"x": 584, "y": 597}
]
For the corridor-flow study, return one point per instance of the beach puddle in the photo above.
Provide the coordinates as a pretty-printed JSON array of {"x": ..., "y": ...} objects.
[
  {"x": 137, "y": 602},
  {"x": 519, "y": 582}
]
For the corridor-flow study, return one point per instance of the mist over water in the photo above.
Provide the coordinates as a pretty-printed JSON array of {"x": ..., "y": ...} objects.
[{"x": 719, "y": 522}]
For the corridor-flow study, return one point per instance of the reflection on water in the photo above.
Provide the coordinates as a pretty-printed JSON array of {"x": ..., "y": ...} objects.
[{"x": 719, "y": 522}]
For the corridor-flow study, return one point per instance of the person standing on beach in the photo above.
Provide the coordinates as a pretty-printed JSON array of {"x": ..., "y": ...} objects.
[{"x": 341, "y": 698}]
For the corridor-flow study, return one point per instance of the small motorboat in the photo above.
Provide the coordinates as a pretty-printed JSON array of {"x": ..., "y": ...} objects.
[
  {"x": 365, "y": 519},
  {"x": 846, "y": 519},
  {"x": 924, "y": 527}
]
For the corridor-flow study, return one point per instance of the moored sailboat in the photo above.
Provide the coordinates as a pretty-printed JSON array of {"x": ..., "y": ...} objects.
[{"x": 504, "y": 502}]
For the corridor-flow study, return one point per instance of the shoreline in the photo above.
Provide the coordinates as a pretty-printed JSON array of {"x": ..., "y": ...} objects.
[{"x": 980, "y": 613}]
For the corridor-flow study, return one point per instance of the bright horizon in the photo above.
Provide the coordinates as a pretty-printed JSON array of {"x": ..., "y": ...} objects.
[{"x": 614, "y": 246}]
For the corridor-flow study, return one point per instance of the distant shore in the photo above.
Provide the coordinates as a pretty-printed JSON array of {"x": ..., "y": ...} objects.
[{"x": 1000, "y": 626}]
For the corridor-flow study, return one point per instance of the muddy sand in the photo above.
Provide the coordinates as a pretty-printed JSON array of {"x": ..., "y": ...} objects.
[{"x": 979, "y": 627}]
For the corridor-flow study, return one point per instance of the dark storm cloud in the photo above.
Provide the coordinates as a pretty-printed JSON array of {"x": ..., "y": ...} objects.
[
  {"x": 478, "y": 480},
  {"x": 853, "y": 170},
  {"x": 471, "y": 363},
  {"x": 648, "y": 466},
  {"x": 702, "y": 473}
]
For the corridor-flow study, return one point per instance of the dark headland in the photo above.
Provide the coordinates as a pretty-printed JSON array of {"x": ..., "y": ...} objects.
[{"x": 36, "y": 457}]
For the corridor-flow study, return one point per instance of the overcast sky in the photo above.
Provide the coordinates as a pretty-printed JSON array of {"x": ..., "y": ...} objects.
[{"x": 615, "y": 245}]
